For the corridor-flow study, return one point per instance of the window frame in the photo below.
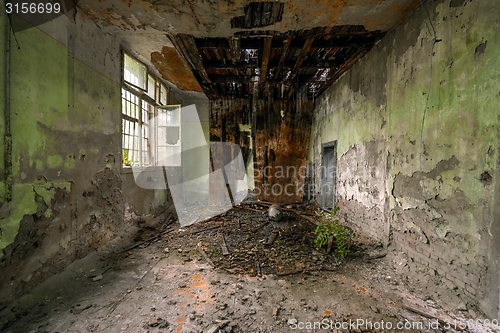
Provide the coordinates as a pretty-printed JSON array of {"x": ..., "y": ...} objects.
[
  {"x": 145, "y": 68},
  {"x": 148, "y": 154}
]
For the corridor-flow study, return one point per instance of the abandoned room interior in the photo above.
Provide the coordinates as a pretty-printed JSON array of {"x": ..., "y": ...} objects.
[{"x": 250, "y": 166}]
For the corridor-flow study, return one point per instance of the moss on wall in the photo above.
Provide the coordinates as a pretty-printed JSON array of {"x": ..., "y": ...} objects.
[
  {"x": 65, "y": 123},
  {"x": 434, "y": 182},
  {"x": 3, "y": 76}
]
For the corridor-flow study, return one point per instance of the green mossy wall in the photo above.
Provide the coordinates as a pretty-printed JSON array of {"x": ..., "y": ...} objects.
[
  {"x": 65, "y": 124},
  {"x": 430, "y": 191}
]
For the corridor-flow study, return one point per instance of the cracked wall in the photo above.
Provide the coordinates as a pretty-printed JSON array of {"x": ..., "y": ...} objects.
[
  {"x": 431, "y": 192},
  {"x": 67, "y": 195}
]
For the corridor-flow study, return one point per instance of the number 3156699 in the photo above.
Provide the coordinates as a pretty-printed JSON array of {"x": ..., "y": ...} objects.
[{"x": 32, "y": 8}]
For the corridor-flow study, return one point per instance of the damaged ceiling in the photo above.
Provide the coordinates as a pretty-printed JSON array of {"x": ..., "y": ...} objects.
[
  {"x": 236, "y": 49},
  {"x": 278, "y": 63}
]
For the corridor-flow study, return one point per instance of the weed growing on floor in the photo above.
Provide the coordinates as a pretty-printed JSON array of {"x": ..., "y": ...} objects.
[{"x": 329, "y": 227}]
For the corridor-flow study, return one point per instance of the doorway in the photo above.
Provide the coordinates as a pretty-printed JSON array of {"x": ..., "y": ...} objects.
[{"x": 328, "y": 174}]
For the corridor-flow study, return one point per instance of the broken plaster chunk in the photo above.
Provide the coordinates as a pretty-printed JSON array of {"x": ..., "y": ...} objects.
[
  {"x": 158, "y": 322},
  {"x": 97, "y": 278},
  {"x": 219, "y": 324}
]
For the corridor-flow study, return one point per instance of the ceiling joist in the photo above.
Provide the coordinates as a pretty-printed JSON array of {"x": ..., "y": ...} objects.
[{"x": 283, "y": 62}]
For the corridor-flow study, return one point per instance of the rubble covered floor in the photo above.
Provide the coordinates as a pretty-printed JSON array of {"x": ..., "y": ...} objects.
[{"x": 271, "y": 279}]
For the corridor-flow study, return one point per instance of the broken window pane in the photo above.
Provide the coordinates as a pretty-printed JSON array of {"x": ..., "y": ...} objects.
[
  {"x": 151, "y": 86},
  {"x": 134, "y": 72}
]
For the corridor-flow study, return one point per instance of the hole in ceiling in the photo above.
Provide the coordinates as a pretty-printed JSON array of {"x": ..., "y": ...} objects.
[{"x": 259, "y": 14}]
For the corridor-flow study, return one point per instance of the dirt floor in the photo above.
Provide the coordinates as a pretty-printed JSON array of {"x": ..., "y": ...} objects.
[{"x": 271, "y": 279}]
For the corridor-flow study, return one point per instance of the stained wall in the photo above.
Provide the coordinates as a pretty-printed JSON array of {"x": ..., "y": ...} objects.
[
  {"x": 68, "y": 195},
  {"x": 417, "y": 124}
]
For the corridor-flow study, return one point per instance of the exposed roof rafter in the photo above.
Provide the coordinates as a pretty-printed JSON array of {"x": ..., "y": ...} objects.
[{"x": 285, "y": 62}]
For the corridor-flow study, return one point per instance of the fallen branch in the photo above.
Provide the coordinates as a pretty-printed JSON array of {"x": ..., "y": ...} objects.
[
  {"x": 291, "y": 272},
  {"x": 167, "y": 231},
  {"x": 223, "y": 246},
  {"x": 304, "y": 216},
  {"x": 258, "y": 203},
  {"x": 204, "y": 254},
  {"x": 272, "y": 238},
  {"x": 202, "y": 230},
  {"x": 218, "y": 326},
  {"x": 141, "y": 243},
  {"x": 260, "y": 226},
  {"x": 444, "y": 320},
  {"x": 252, "y": 209}
]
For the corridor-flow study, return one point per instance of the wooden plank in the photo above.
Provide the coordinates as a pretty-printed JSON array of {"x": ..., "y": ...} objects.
[
  {"x": 304, "y": 52},
  {"x": 432, "y": 314},
  {"x": 323, "y": 40},
  {"x": 204, "y": 254},
  {"x": 266, "y": 18},
  {"x": 265, "y": 58},
  {"x": 277, "y": 14},
  {"x": 334, "y": 75},
  {"x": 247, "y": 22},
  {"x": 234, "y": 42},
  {"x": 192, "y": 52},
  {"x": 257, "y": 14},
  {"x": 231, "y": 78},
  {"x": 337, "y": 41},
  {"x": 223, "y": 246},
  {"x": 178, "y": 42},
  {"x": 284, "y": 54},
  {"x": 272, "y": 238},
  {"x": 215, "y": 65},
  {"x": 217, "y": 327}
]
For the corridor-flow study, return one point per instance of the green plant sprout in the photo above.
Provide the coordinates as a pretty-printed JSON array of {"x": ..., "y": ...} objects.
[{"x": 329, "y": 227}]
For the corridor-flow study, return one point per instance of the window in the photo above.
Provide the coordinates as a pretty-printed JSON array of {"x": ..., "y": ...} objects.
[
  {"x": 134, "y": 72},
  {"x": 146, "y": 116}
]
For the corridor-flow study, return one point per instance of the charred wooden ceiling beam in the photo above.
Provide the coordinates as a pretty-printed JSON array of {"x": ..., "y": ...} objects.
[
  {"x": 223, "y": 43},
  {"x": 345, "y": 66},
  {"x": 238, "y": 79},
  {"x": 259, "y": 14},
  {"x": 265, "y": 58},
  {"x": 284, "y": 54},
  {"x": 308, "y": 64},
  {"x": 322, "y": 41},
  {"x": 209, "y": 90},
  {"x": 223, "y": 65},
  {"x": 300, "y": 59},
  {"x": 187, "y": 46},
  {"x": 337, "y": 42},
  {"x": 232, "y": 78},
  {"x": 235, "y": 49}
]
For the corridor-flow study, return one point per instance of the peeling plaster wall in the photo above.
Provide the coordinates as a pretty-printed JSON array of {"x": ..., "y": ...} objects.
[
  {"x": 67, "y": 197},
  {"x": 3, "y": 44},
  {"x": 437, "y": 198}
]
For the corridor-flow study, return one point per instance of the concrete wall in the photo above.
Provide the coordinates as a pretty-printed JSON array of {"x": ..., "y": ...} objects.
[
  {"x": 67, "y": 194},
  {"x": 431, "y": 191}
]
